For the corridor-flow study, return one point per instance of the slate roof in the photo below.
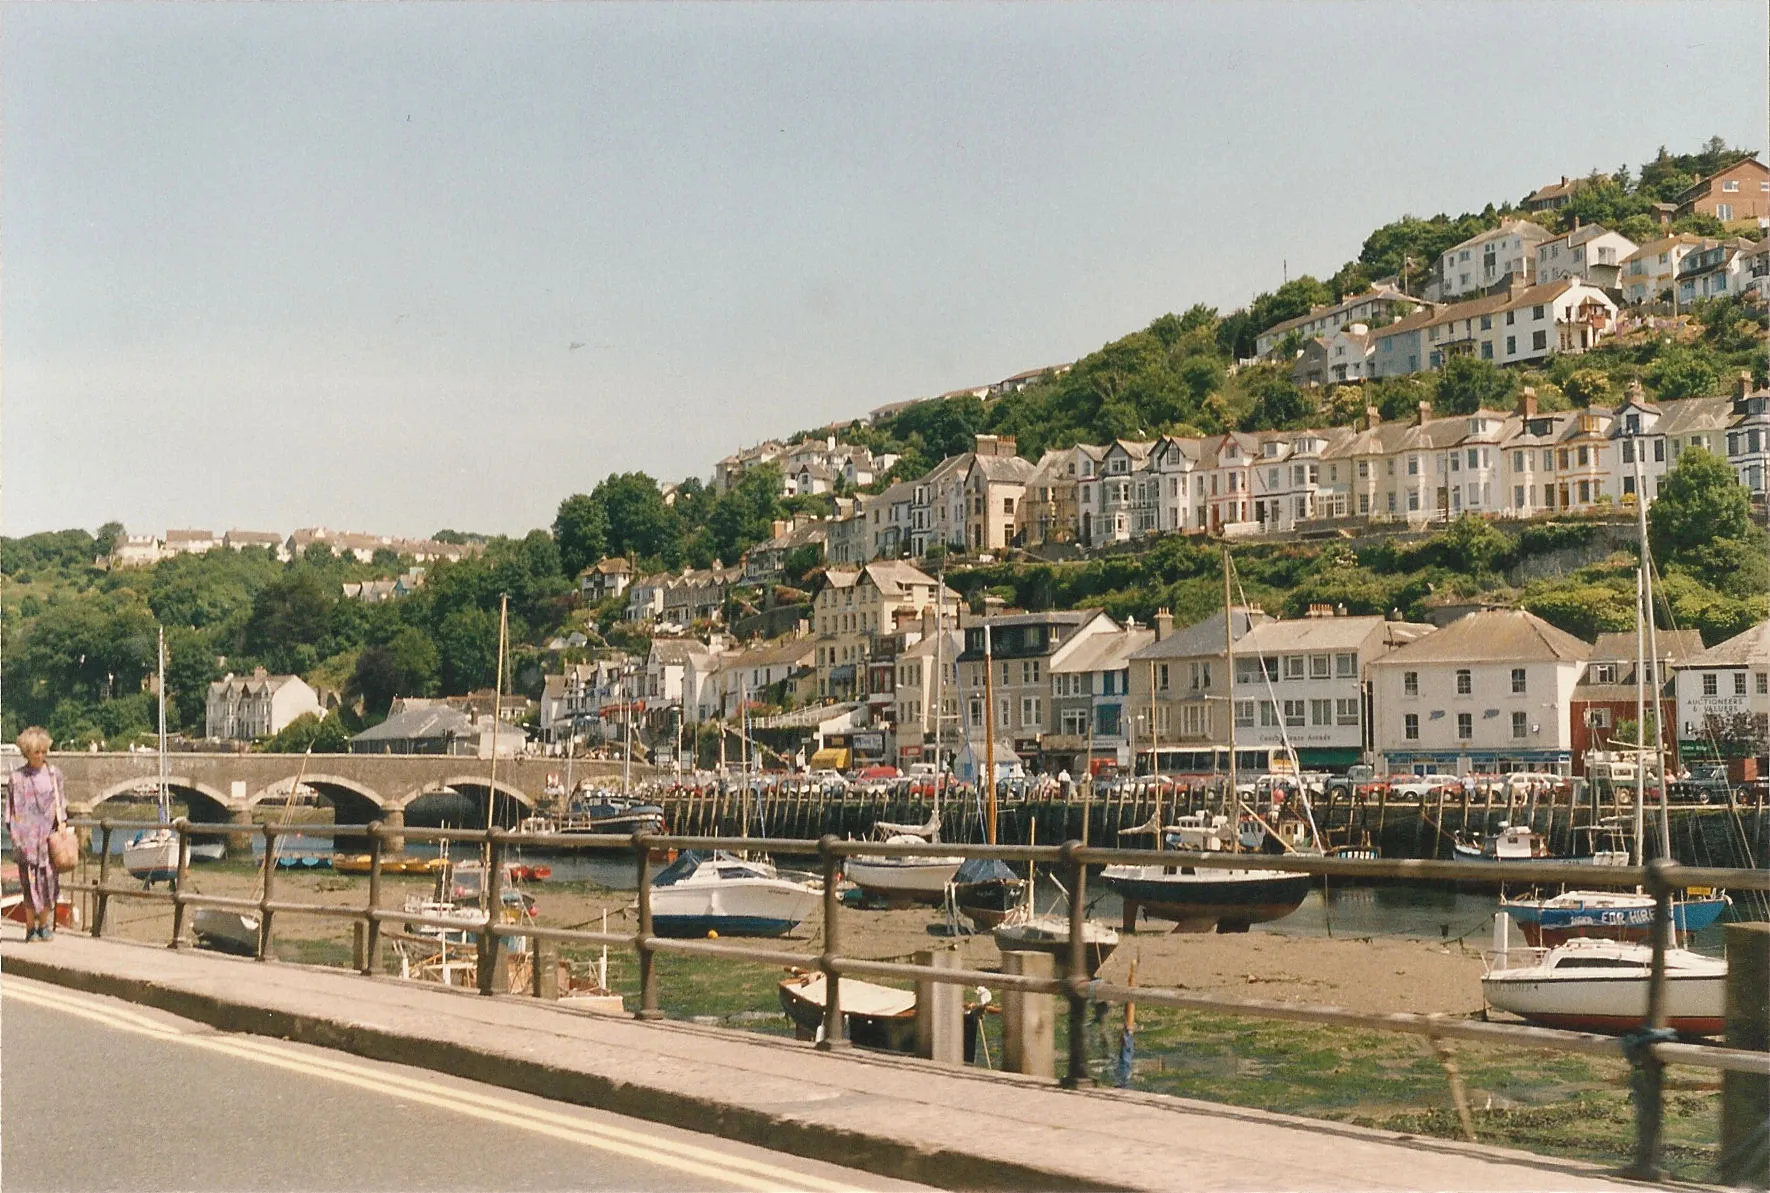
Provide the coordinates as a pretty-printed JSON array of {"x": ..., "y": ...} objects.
[{"x": 1492, "y": 636}]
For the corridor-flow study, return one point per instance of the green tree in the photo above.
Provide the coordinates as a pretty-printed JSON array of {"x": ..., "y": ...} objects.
[
  {"x": 1466, "y": 385},
  {"x": 745, "y": 513},
  {"x": 639, "y": 524},
  {"x": 581, "y": 530},
  {"x": 1698, "y": 501},
  {"x": 1587, "y": 387},
  {"x": 467, "y": 650},
  {"x": 1681, "y": 372},
  {"x": 290, "y": 620}
]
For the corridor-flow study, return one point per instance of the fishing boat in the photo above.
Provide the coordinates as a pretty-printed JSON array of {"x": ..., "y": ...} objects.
[
  {"x": 703, "y": 893},
  {"x": 608, "y": 812},
  {"x": 1203, "y": 898},
  {"x": 1588, "y": 984},
  {"x": 1507, "y": 843},
  {"x": 152, "y": 855},
  {"x": 986, "y": 891},
  {"x": 881, "y": 1017},
  {"x": 1618, "y": 915},
  {"x": 208, "y": 851}
]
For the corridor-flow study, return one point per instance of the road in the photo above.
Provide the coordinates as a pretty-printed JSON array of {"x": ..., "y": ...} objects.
[{"x": 102, "y": 1094}]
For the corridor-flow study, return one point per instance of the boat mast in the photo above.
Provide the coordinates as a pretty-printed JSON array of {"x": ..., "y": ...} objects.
[
  {"x": 939, "y": 679},
  {"x": 485, "y": 874},
  {"x": 165, "y": 780},
  {"x": 989, "y": 731},
  {"x": 1635, "y": 850},
  {"x": 1652, "y": 652},
  {"x": 1234, "y": 798}
]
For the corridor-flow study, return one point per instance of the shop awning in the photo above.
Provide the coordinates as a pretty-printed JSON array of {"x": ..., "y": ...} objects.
[{"x": 830, "y": 758}]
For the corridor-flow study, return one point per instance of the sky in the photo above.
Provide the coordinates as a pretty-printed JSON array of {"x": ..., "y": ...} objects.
[{"x": 400, "y": 267}]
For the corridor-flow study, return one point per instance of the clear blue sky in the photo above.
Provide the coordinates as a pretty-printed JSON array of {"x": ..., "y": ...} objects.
[{"x": 269, "y": 266}]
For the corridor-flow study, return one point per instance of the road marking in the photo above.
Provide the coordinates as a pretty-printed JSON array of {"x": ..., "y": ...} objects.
[{"x": 680, "y": 1155}]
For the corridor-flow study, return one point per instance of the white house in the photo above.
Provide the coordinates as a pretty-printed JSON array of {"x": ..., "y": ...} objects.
[
  {"x": 242, "y": 708},
  {"x": 1652, "y": 270},
  {"x": 1589, "y": 253},
  {"x": 1488, "y": 693},
  {"x": 1724, "y": 693},
  {"x": 1301, "y": 683},
  {"x": 1505, "y": 253}
]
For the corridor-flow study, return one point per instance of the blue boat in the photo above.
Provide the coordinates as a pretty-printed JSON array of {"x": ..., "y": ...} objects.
[{"x": 1616, "y": 915}]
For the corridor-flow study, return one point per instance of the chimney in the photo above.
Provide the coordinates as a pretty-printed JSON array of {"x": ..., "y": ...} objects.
[
  {"x": 1635, "y": 393},
  {"x": 1527, "y": 402},
  {"x": 1320, "y": 611},
  {"x": 1164, "y": 623},
  {"x": 780, "y": 528},
  {"x": 1742, "y": 384},
  {"x": 1373, "y": 418},
  {"x": 1424, "y": 413}
]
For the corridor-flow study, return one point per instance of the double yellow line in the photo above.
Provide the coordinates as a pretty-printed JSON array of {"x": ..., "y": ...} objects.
[{"x": 673, "y": 1153}]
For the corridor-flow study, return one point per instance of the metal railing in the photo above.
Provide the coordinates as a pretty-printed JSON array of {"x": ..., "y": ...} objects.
[{"x": 1648, "y": 1050}]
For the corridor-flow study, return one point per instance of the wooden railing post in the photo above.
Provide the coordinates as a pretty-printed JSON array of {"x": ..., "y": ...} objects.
[
  {"x": 835, "y": 1036},
  {"x": 1079, "y": 976},
  {"x": 268, "y": 884},
  {"x": 492, "y": 882},
  {"x": 104, "y": 878},
  {"x": 648, "y": 973},
  {"x": 1649, "y": 1069},
  {"x": 1745, "y": 1097},
  {"x": 370, "y": 961},
  {"x": 181, "y": 826}
]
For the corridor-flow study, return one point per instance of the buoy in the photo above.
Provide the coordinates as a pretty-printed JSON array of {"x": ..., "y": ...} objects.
[{"x": 712, "y": 934}]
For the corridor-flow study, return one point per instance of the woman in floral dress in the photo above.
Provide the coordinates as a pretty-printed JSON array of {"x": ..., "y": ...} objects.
[{"x": 34, "y": 807}]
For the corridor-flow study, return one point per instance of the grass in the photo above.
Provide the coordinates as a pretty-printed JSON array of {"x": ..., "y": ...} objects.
[{"x": 1556, "y": 1104}]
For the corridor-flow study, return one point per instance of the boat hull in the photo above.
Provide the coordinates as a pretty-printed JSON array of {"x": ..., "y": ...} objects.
[
  {"x": 226, "y": 931},
  {"x": 892, "y": 1028},
  {"x": 1050, "y": 934},
  {"x": 1546, "y": 925},
  {"x": 1207, "y": 900},
  {"x": 743, "y": 907},
  {"x": 1695, "y": 1005},
  {"x": 987, "y": 904},
  {"x": 904, "y": 881},
  {"x": 152, "y": 856}
]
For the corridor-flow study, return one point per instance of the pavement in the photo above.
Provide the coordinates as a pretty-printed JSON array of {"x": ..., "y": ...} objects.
[{"x": 914, "y": 1120}]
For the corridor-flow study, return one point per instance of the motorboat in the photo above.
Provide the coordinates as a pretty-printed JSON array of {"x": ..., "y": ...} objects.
[
  {"x": 901, "y": 881},
  {"x": 1618, "y": 915},
  {"x": 701, "y": 893},
  {"x": 1589, "y": 984},
  {"x": 12, "y": 907},
  {"x": 1204, "y": 898},
  {"x": 1507, "y": 843}
]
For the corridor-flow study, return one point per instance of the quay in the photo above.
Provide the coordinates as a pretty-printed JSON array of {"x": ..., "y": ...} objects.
[{"x": 941, "y": 1125}]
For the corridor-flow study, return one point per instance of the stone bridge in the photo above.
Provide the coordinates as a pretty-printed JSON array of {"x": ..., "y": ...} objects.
[{"x": 226, "y": 788}]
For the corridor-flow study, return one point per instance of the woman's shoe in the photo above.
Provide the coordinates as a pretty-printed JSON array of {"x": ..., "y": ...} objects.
[
  {"x": 30, "y": 936},
  {"x": 46, "y": 934}
]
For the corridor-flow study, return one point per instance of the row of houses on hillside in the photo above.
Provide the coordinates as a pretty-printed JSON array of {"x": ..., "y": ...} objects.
[
  {"x": 1419, "y": 471},
  {"x": 812, "y": 465}
]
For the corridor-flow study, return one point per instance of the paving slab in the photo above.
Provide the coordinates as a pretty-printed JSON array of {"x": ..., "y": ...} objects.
[{"x": 944, "y": 1125}]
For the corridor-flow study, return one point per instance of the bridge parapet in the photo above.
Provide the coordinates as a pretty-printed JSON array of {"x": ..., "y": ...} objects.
[{"x": 237, "y": 782}]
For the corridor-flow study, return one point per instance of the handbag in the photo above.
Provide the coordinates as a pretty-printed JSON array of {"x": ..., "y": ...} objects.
[{"x": 64, "y": 849}]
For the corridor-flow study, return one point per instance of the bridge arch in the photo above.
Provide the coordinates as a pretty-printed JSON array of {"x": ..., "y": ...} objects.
[
  {"x": 206, "y": 803},
  {"x": 509, "y": 807},
  {"x": 353, "y": 802}
]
